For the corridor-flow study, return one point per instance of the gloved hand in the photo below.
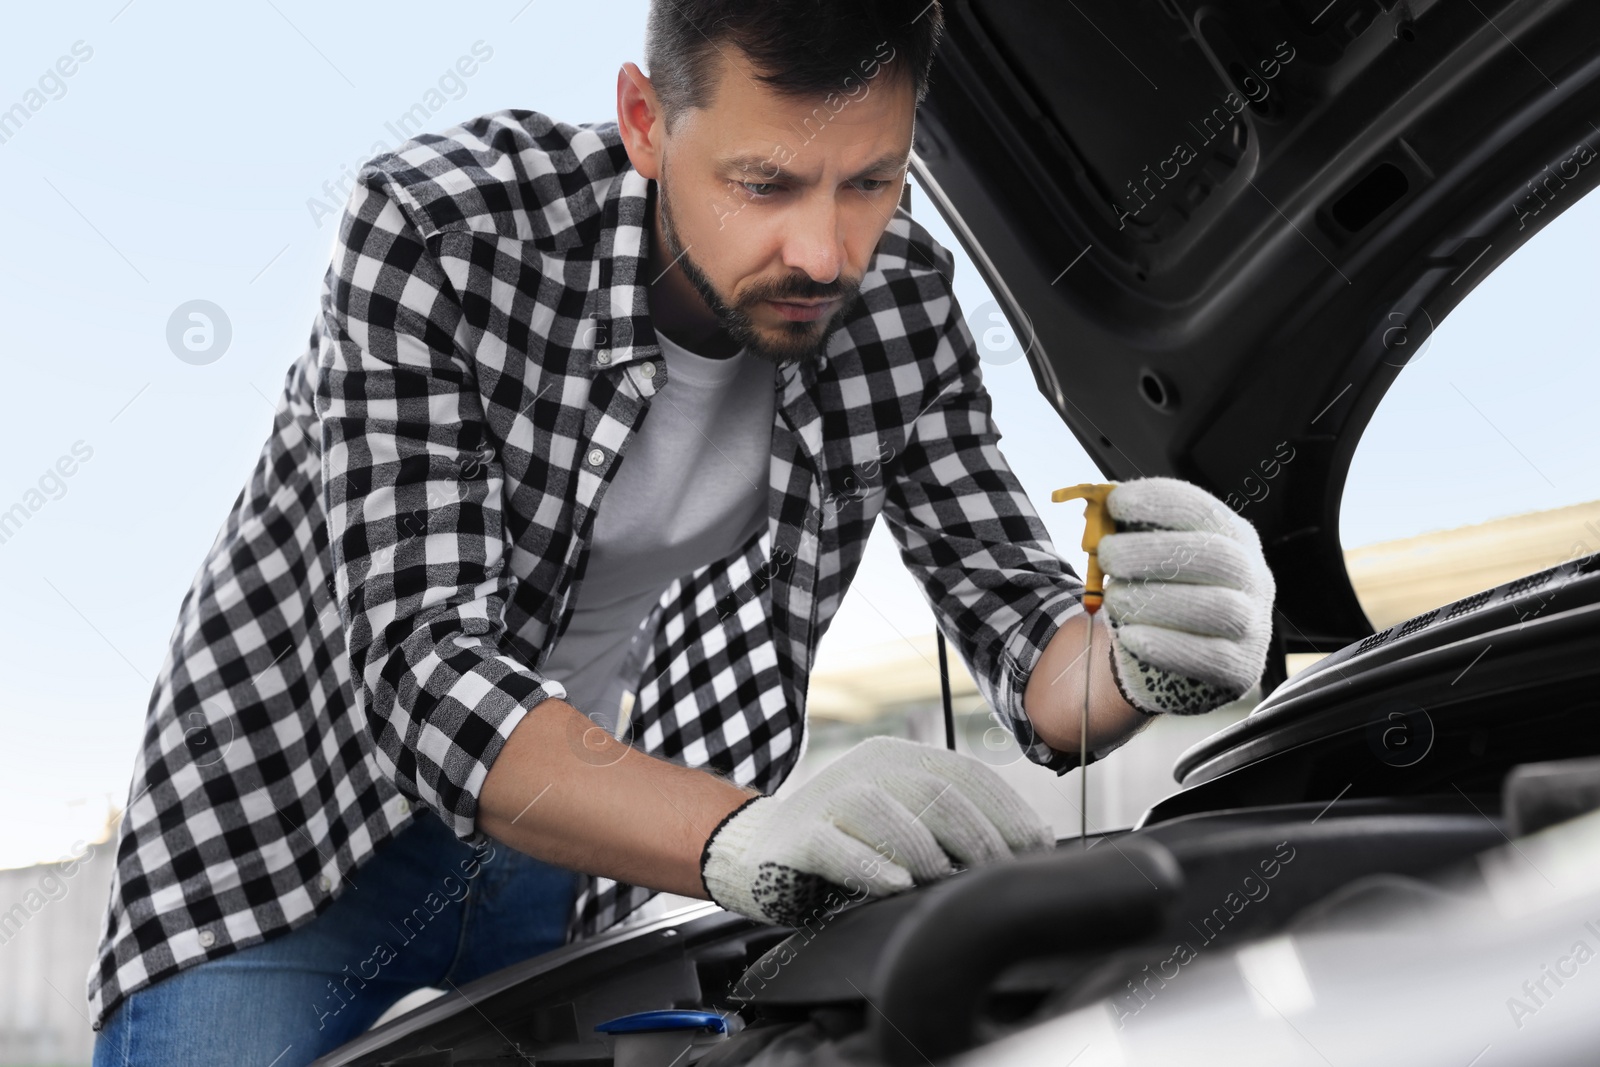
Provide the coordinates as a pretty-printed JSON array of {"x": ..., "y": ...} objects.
[
  {"x": 1188, "y": 596},
  {"x": 886, "y": 814}
]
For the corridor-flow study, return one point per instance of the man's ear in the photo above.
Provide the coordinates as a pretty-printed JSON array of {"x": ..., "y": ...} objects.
[{"x": 639, "y": 120}]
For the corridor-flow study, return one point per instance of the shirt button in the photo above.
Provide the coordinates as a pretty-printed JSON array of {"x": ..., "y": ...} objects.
[
  {"x": 602, "y": 357},
  {"x": 207, "y": 939},
  {"x": 324, "y": 883},
  {"x": 648, "y": 370},
  {"x": 596, "y": 457},
  {"x": 405, "y": 806}
]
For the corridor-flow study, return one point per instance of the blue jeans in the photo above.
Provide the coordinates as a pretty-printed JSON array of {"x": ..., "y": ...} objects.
[{"x": 410, "y": 918}]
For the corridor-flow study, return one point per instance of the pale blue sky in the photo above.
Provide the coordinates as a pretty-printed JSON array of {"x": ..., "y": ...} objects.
[{"x": 178, "y": 163}]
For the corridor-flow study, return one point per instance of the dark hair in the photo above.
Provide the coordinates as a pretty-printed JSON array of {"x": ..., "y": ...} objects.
[{"x": 798, "y": 47}]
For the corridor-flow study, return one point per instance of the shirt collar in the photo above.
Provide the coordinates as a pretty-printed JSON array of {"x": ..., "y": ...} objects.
[{"x": 616, "y": 310}]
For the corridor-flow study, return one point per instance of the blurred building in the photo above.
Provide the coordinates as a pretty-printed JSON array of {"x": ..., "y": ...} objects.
[
  {"x": 50, "y": 917},
  {"x": 1395, "y": 580}
]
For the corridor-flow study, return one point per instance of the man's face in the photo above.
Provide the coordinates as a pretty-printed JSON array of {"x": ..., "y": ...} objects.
[{"x": 770, "y": 207}]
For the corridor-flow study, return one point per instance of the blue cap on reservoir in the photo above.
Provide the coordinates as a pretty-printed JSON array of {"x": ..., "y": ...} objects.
[{"x": 656, "y": 1021}]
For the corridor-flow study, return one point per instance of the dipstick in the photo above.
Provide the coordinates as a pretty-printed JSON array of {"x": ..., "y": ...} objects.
[{"x": 1097, "y": 523}]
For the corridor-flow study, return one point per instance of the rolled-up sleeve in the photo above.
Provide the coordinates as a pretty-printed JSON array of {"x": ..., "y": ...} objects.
[
  {"x": 413, "y": 495},
  {"x": 974, "y": 542}
]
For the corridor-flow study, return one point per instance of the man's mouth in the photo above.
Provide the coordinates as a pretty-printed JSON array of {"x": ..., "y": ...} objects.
[{"x": 803, "y": 310}]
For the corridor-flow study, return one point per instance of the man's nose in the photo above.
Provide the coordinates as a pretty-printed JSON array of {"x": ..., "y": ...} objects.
[{"x": 814, "y": 243}]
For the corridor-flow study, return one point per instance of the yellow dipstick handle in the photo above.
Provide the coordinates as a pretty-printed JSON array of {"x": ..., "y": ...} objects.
[{"x": 1097, "y": 523}]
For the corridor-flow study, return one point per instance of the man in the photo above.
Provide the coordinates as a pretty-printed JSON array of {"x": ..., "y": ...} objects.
[{"x": 597, "y": 410}]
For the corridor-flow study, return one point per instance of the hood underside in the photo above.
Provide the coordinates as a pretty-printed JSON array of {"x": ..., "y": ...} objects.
[{"x": 1222, "y": 228}]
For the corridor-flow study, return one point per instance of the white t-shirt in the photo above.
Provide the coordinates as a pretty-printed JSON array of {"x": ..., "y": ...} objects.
[{"x": 692, "y": 487}]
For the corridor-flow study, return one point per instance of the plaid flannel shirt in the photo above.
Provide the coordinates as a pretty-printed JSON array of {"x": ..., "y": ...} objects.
[{"x": 369, "y": 625}]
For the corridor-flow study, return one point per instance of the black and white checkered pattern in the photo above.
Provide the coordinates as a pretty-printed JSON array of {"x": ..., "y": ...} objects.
[{"x": 370, "y": 623}]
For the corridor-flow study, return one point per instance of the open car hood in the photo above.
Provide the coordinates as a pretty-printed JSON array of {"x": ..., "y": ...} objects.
[{"x": 1222, "y": 228}]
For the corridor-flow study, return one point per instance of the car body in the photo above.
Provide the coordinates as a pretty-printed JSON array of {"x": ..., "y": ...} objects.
[{"x": 1217, "y": 273}]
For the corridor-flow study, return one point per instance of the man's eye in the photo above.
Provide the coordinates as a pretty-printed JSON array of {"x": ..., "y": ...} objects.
[
  {"x": 759, "y": 190},
  {"x": 872, "y": 185}
]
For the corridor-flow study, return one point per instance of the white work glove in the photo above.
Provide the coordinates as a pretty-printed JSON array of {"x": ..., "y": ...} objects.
[
  {"x": 1188, "y": 595},
  {"x": 887, "y": 814}
]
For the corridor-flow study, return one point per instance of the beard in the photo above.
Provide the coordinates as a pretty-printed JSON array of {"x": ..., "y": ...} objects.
[{"x": 796, "y": 342}]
